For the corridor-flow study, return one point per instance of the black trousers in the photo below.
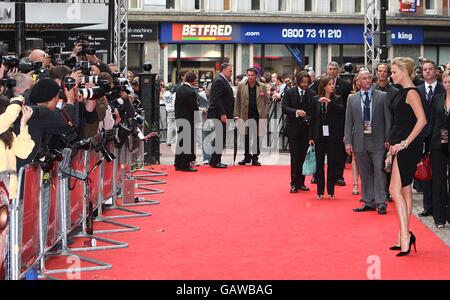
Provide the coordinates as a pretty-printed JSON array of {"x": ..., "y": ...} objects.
[
  {"x": 329, "y": 149},
  {"x": 427, "y": 185},
  {"x": 248, "y": 153},
  {"x": 341, "y": 157},
  {"x": 216, "y": 156},
  {"x": 184, "y": 156},
  {"x": 441, "y": 183},
  {"x": 298, "y": 147}
]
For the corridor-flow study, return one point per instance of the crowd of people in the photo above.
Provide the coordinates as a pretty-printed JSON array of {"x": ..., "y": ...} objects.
[
  {"x": 385, "y": 122},
  {"x": 48, "y": 104}
]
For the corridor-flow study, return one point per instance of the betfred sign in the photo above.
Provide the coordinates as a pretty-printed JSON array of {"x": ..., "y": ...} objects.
[
  {"x": 408, "y": 6},
  {"x": 202, "y": 32}
]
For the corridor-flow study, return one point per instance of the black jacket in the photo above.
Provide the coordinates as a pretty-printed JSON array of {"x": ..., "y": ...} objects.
[
  {"x": 186, "y": 103},
  {"x": 343, "y": 89},
  {"x": 221, "y": 99},
  {"x": 43, "y": 123},
  {"x": 427, "y": 130},
  {"x": 438, "y": 121},
  {"x": 290, "y": 104},
  {"x": 334, "y": 118}
]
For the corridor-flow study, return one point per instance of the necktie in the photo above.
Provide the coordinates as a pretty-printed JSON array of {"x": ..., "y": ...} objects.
[
  {"x": 301, "y": 96},
  {"x": 430, "y": 93},
  {"x": 366, "y": 107}
]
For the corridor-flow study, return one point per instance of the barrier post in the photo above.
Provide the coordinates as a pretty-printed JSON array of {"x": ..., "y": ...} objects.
[
  {"x": 63, "y": 176},
  {"x": 84, "y": 234},
  {"x": 101, "y": 200},
  {"x": 133, "y": 213}
]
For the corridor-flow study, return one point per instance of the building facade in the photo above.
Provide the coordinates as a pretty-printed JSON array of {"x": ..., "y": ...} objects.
[
  {"x": 272, "y": 35},
  {"x": 277, "y": 35}
]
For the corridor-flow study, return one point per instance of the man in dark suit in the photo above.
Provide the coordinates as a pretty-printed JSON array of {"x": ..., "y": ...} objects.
[
  {"x": 428, "y": 92},
  {"x": 221, "y": 107},
  {"x": 296, "y": 106},
  {"x": 185, "y": 107},
  {"x": 343, "y": 89}
]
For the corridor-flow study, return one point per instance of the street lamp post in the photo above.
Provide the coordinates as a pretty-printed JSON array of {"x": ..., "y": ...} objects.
[{"x": 20, "y": 27}]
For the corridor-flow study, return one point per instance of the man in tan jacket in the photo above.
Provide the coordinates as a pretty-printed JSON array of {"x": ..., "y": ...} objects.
[{"x": 250, "y": 113}]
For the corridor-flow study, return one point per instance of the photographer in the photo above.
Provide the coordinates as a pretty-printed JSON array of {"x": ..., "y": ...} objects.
[
  {"x": 47, "y": 119},
  {"x": 10, "y": 144},
  {"x": 98, "y": 115},
  {"x": 40, "y": 56}
]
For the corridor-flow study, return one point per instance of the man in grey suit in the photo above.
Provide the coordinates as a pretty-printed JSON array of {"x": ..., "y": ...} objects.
[{"x": 367, "y": 125}]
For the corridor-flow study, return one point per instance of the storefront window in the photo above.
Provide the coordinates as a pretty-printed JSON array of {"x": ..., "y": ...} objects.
[
  {"x": 274, "y": 58},
  {"x": 350, "y": 53},
  {"x": 134, "y": 57},
  {"x": 444, "y": 55},
  {"x": 431, "y": 52},
  {"x": 204, "y": 59},
  {"x": 407, "y": 51}
]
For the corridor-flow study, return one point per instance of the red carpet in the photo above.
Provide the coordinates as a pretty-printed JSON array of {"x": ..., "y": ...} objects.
[{"x": 242, "y": 223}]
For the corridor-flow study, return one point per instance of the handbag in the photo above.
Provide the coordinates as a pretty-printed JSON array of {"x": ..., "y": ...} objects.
[
  {"x": 309, "y": 166},
  {"x": 424, "y": 171}
]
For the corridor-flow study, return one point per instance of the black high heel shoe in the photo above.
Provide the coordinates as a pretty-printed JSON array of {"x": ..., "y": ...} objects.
[
  {"x": 412, "y": 241},
  {"x": 396, "y": 248}
]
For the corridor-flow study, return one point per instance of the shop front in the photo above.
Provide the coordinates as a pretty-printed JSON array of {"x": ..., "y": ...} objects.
[{"x": 276, "y": 48}]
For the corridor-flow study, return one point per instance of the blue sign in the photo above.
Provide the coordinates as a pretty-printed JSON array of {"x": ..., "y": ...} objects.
[
  {"x": 297, "y": 52},
  {"x": 254, "y": 33}
]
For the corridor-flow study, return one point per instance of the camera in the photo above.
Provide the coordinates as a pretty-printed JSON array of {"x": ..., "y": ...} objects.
[
  {"x": 8, "y": 82},
  {"x": 55, "y": 55},
  {"x": 10, "y": 62},
  {"x": 84, "y": 66},
  {"x": 48, "y": 158},
  {"x": 147, "y": 67},
  {"x": 91, "y": 93},
  {"x": 90, "y": 79},
  {"x": 139, "y": 119},
  {"x": 69, "y": 83},
  {"x": 85, "y": 41},
  {"x": 53, "y": 50}
]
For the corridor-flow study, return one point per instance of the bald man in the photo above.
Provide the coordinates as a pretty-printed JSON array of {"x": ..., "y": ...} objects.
[{"x": 39, "y": 55}]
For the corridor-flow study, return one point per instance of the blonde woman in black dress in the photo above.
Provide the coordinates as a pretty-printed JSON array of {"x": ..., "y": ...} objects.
[{"x": 406, "y": 148}]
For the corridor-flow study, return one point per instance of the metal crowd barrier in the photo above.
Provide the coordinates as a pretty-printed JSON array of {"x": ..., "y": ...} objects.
[{"x": 53, "y": 210}]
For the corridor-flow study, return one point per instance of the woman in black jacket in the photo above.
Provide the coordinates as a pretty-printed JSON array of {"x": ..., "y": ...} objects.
[
  {"x": 326, "y": 132},
  {"x": 440, "y": 159}
]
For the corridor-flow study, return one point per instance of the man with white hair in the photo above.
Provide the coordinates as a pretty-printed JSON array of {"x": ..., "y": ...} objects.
[
  {"x": 367, "y": 125},
  {"x": 39, "y": 55}
]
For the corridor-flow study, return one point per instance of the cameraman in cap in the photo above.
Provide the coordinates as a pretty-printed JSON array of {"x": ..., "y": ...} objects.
[{"x": 47, "y": 119}]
